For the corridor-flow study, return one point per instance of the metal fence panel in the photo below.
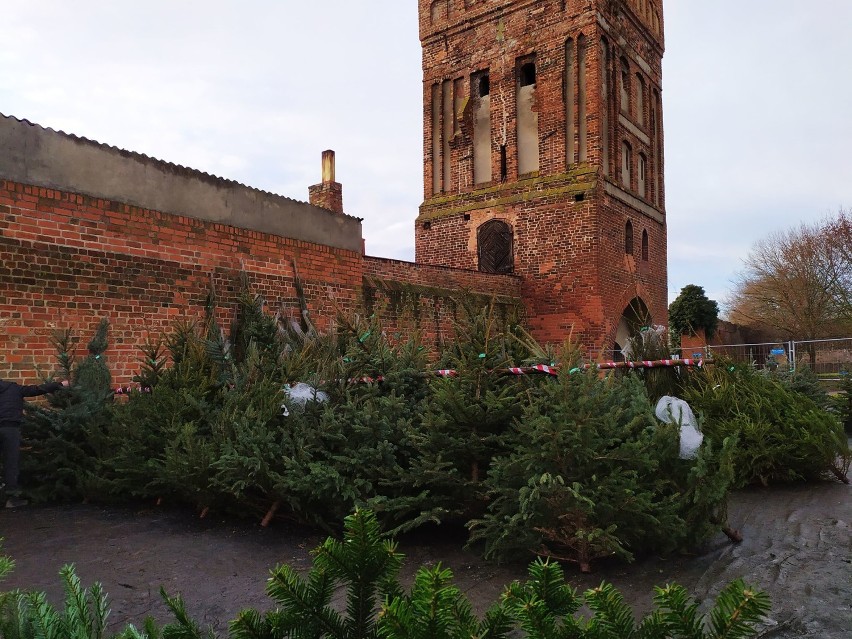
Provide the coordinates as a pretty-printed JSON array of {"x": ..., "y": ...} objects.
[
  {"x": 762, "y": 355},
  {"x": 828, "y": 358}
]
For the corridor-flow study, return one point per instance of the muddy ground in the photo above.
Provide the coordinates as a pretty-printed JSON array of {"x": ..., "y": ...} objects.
[{"x": 797, "y": 547}]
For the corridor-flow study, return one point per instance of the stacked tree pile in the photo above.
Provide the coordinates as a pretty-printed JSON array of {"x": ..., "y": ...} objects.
[{"x": 574, "y": 466}]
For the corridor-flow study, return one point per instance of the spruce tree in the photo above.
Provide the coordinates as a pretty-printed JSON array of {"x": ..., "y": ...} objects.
[
  {"x": 68, "y": 438},
  {"x": 465, "y": 423},
  {"x": 152, "y": 417},
  {"x": 589, "y": 472},
  {"x": 783, "y": 435},
  {"x": 362, "y": 563}
]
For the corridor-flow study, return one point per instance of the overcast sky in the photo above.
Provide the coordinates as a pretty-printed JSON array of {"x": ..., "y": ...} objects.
[{"x": 757, "y": 105}]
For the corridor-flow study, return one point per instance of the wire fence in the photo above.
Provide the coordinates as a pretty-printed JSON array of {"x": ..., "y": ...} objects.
[{"x": 830, "y": 359}]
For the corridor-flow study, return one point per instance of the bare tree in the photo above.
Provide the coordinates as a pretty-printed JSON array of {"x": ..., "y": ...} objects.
[
  {"x": 796, "y": 283},
  {"x": 837, "y": 235}
]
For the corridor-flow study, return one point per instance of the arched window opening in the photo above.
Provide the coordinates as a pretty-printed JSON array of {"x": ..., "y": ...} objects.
[
  {"x": 484, "y": 85},
  {"x": 644, "y": 246},
  {"x": 639, "y": 106},
  {"x": 625, "y": 87},
  {"x": 494, "y": 245},
  {"x": 641, "y": 174},
  {"x": 628, "y": 238},
  {"x": 626, "y": 164}
]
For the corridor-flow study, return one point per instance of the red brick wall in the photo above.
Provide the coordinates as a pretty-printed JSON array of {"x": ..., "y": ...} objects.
[
  {"x": 67, "y": 260},
  {"x": 571, "y": 258},
  {"x": 420, "y": 297}
]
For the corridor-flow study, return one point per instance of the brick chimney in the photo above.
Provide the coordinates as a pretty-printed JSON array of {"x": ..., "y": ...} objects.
[{"x": 328, "y": 194}]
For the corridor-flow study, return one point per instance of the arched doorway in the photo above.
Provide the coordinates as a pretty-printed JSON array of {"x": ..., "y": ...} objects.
[
  {"x": 494, "y": 245},
  {"x": 634, "y": 318}
]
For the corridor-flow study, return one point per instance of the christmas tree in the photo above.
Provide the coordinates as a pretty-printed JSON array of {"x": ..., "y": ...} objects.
[{"x": 68, "y": 437}]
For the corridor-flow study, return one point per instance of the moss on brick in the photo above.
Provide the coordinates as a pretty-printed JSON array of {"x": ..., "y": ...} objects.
[
  {"x": 580, "y": 180},
  {"x": 397, "y": 290}
]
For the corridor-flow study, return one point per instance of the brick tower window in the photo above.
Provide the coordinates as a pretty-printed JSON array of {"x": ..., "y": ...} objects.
[
  {"x": 583, "y": 128},
  {"x": 480, "y": 87},
  {"x": 628, "y": 238},
  {"x": 605, "y": 105},
  {"x": 626, "y": 164},
  {"x": 528, "y": 74},
  {"x": 439, "y": 11},
  {"x": 644, "y": 246},
  {"x": 625, "y": 87},
  {"x": 527, "y": 118},
  {"x": 641, "y": 174},
  {"x": 568, "y": 97},
  {"x": 494, "y": 244}
]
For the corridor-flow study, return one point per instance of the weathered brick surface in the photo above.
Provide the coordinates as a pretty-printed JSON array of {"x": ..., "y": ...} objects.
[
  {"x": 420, "y": 297},
  {"x": 568, "y": 225},
  {"x": 67, "y": 260},
  {"x": 328, "y": 195}
]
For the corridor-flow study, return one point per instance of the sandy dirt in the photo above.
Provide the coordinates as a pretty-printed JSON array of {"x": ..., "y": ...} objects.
[{"x": 797, "y": 547}]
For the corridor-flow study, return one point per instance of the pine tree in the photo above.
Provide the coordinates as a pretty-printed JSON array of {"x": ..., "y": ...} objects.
[
  {"x": 150, "y": 419},
  {"x": 68, "y": 437},
  {"x": 545, "y": 608},
  {"x": 252, "y": 325},
  {"x": 783, "y": 435},
  {"x": 591, "y": 473},
  {"x": 436, "y": 609},
  {"x": 362, "y": 563},
  {"x": 581, "y": 481},
  {"x": 465, "y": 423},
  {"x": 376, "y": 419}
]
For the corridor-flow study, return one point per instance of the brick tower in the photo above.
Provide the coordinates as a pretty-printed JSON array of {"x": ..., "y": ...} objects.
[{"x": 543, "y": 157}]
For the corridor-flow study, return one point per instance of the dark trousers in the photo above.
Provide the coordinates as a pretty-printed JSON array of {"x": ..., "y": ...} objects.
[{"x": 10, "y": 444}]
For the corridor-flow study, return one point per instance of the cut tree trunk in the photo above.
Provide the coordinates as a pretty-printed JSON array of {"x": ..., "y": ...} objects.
[{"x": 267, "y": 518}]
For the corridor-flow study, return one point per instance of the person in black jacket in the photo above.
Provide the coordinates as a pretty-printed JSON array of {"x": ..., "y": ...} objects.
[{"x": 11, "y": 413}]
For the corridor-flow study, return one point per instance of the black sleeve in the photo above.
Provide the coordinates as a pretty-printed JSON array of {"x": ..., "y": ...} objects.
[{"x": 41, "y": 389}]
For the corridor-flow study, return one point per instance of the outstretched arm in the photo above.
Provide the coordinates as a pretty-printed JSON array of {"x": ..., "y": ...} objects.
[{"x": 42, "y": 389}]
